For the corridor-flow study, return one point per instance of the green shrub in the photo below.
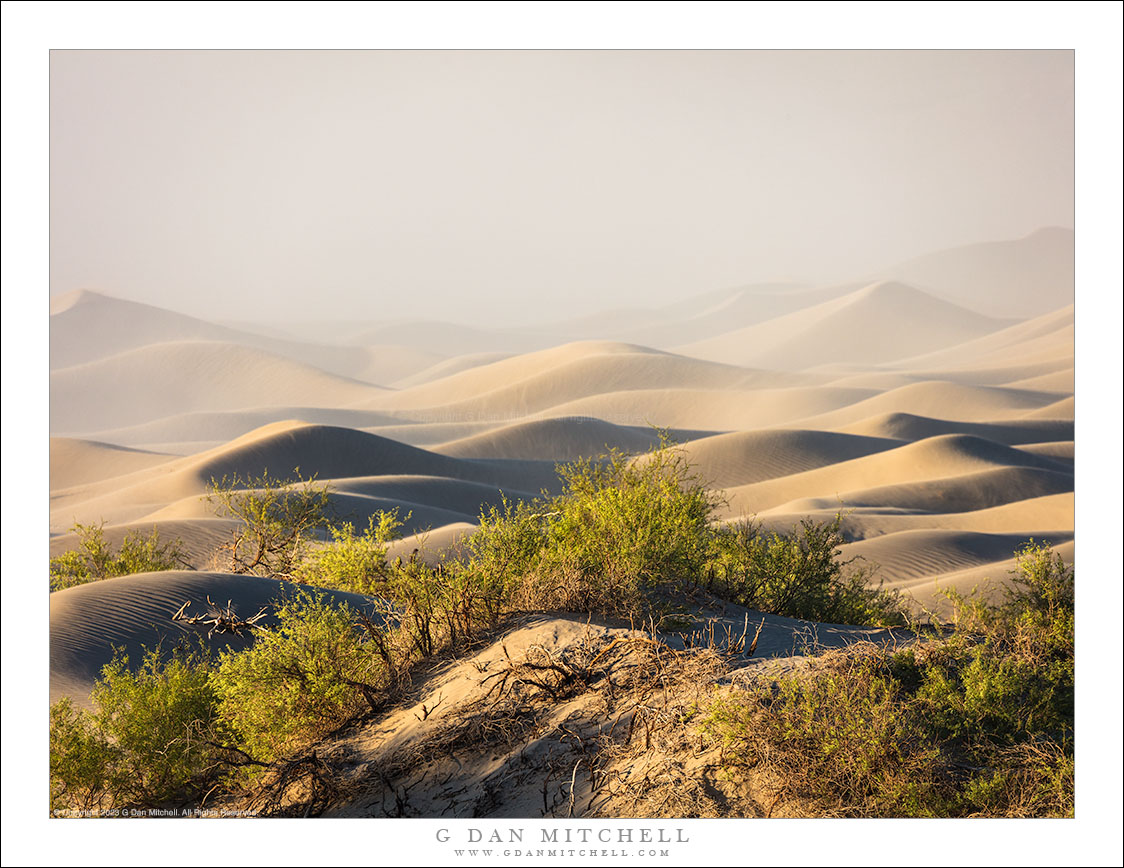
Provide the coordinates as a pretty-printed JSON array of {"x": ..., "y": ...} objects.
[
  {"x": 976, "y": 723},
  {"x": 301, "y": 678},
  {"x": 94, "y": 559},
  {"x": 279, "y": 519},
  {"x": 799, "y": 575},
  {"x": 351, "y": 562},
  {"x": 148, "y": 741},
  {"x": 83, "y": 764}
]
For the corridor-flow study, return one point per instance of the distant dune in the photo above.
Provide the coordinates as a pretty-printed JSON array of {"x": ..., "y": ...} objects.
[
  {"x": 74, "y": 462},
  {"x": 876, "y": 324},
  {"x": 1022, "y": 278},
  {"x": 162, "y": 380}
]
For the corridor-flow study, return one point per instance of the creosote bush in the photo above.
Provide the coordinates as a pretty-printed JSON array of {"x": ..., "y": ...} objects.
[
  {"x": 799, "y": 575},
  {"x": 978, "y": 723},
  {"x": 279, "y": 519},
  {"x": 353, "y": 562},
  {"x": 300, "y": 678},
  {"x": 147, "y": 742},
  {"x": 94, "y": 559}
]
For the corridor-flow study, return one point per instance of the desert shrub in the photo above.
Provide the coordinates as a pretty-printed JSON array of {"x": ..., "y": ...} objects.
[
  {"x": 279, "y": 519},
  {"x": 353, "y": 562},
  {"x": 799, "y": 575},
  {"x": 148, "y": 741},
  {"x": 975, "y": 723},
  {"x": 620, "y": 530},
  {"x": 302, "y": 677},
  {"x": 95, "y": 559},
  {"x": 83, "y": 768}
]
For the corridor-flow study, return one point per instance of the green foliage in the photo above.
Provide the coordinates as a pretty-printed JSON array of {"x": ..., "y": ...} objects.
[
  {"x": 351, "y": 562},
  {"x": 300, "y": 678},
  {"x": 279, "y": 519},
  {"x": 799, "y": 575},
  {"x": 146, "y": 743},
  {"x": 94, "y": 559},
  {"x": 83, "y": 767},
  {"x": 622, "y": 528},
  {"x": 979, "y": 722}
]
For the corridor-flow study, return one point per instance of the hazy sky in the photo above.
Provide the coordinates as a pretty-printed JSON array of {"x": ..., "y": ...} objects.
[{"x": 515, "y": 186}]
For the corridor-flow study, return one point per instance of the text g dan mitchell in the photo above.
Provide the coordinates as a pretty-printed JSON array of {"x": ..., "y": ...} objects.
[{"x": 562, "y": 835}]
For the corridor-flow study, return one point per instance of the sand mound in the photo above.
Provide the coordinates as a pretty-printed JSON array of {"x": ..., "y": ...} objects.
[
  {"x": 448, "y": 367},
  {"x": 218, "y": 428},
  {"x": 917, "y": 471},
  {"x": 972, "y": 491},
  {"x": 153, "y": 382},
  {"x": 1060, "y": 451},
  {"x": 1025, "y": 277},
  {"x": 907, "y": 426},
  {"x": 1062, "y": 409},
  {"x": 135, "y": 612},
  {"x": 912, "y": 557},
  {"x": 940, "y": 400},
  {"x": 1036, "y": 517},
  {"x": 713, "y": 409},
  {"x": 173, "y": 491},
  {"x": 562, "y": 439},
  {"x": 745, "y": 457},
  {"x": 74, "y": 462},
  {"x": 878, "y": 323},
  {"x": 87, "y": 326},
  {"x": 987, "y": 580},
  {"x": 1043, "y": 340},
  {"x": 532, "y": 383}
]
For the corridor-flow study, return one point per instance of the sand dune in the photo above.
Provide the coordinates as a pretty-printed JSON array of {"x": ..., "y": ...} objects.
[
  {"x": 935, "y": 466},
  {"x": 134, "y": 612},
  {"x": 562, "y": 439},
  {"x": 716, "y": 313},
  {"x": 422, "y": 502},
  {"x": 1062, "y": 381},
  {"x": 74, "y": 462},
  {"x": 745, "y": 457},
  {"x": 907, "y": 426},
  {"x": 448, "y": 367},
  {"x": 878, "y": 323},
  {"x": 1061, "y": 451},
  {"x": 941, "y": 400},
  {"x": 88, "y": 326},
  {"x": 1062, "y": 409},
  {"x": 714, "y": 409},
  {"x": 1036, "y": 516},
  {"x": 1020, "y": 278},
  {"x": 915, "y": 556},
  {"x": 1043, "y": 339},
  {"x": 153, "y": 382},
  {"x": 532, "y": 383},
  {"x": 965, "y": 493},
  {"x": 326, "y": 452},
  {"x": 209, "y": 429},
  {"x": 987, "y": 580}
]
